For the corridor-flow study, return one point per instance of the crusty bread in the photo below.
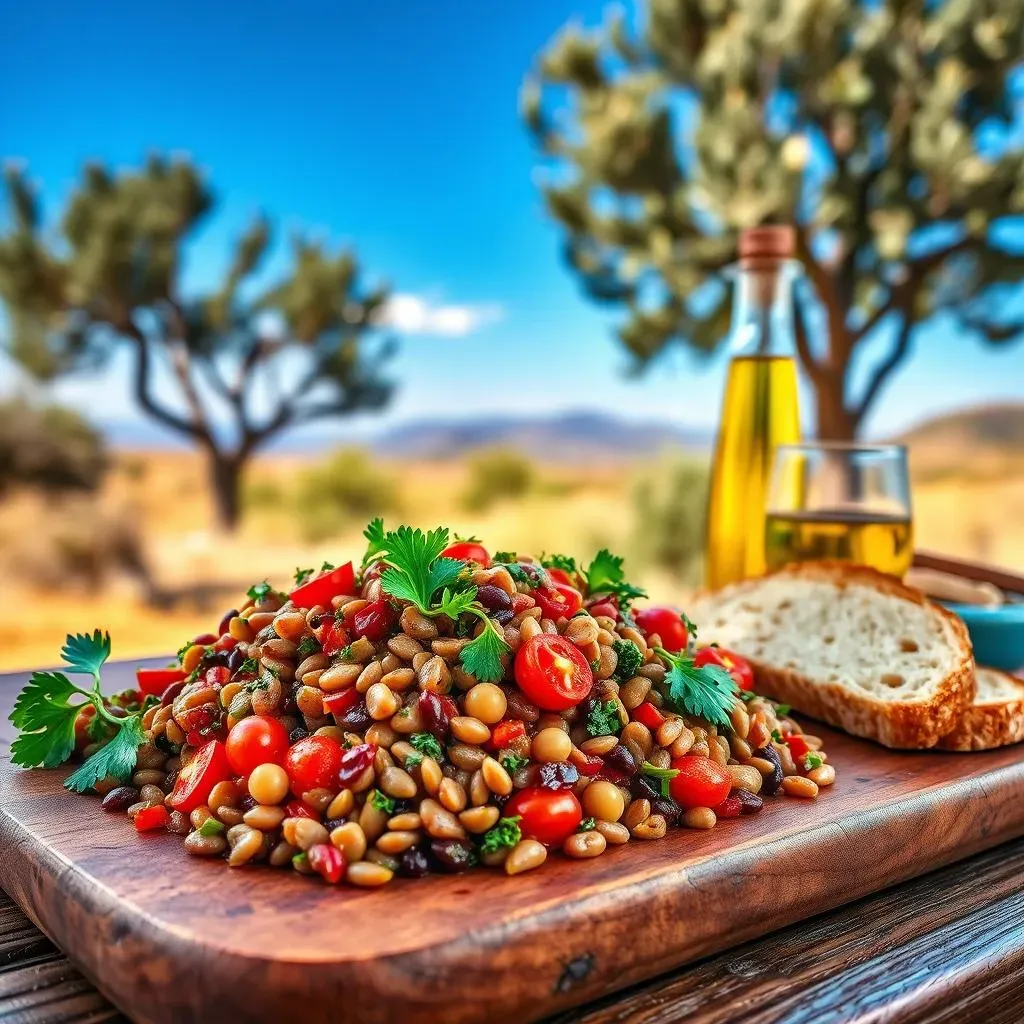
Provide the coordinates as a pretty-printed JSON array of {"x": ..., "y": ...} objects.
[
  {"x": 848, "y": 645},
  {"x": 995, "y": 719}
]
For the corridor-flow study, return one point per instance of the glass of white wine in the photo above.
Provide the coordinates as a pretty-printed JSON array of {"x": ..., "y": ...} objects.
[{"x": 844, "y": 501}]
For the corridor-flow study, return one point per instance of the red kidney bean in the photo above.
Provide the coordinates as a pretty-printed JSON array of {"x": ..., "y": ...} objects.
[
  {"x": 357, "y": 718},
  {"x": 120, "y": 799},
  {"x": 172, "y": 691},
  {"x": 750, "y": 803},
  {"x": 493, "y": 598},
  {"x": 453, "y": 855},
  {"x": 437, "y": 711},
  {"x": 730, "y": 807},
  {"x": 771, "y": 783},
  {"x": 414, "y": 863},
  {"x": 355, "y": 761},
  {"x": 375, "y": 621},
  {"x": 226, "y": 621},
  {"x": 620, "y": 759}
]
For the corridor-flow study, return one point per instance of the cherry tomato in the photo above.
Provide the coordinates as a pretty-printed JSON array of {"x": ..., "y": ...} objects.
[
  {"x": 194, "y": 782},
  {"x": 375, "y": 620},
  {"x": 797, "y": 746},
  {"x": 256, "y": 740},
  {"x": 320, "y": 589},
  {"x": 338, "y": 702},
  {"x": 553, "y": 672},
  {"x": 701, "y": 782},
  {"x": 649, "y": 715},
  {"x": 505, "y": 733},
  {"x": 156, "y": 680},
  {"x": 149, "y": 819},
  {"x": 561, "y": 576},
  {"x": 468, "y": 551},
  {"x": 667, "y": 623},
  {"x": 313, "y": 763},
  {"x": 736, "y": 666},
  {"x": 332, "y": 637},
  {"x": 558, "y": 601},
  {"x": 548, "y": 815}
]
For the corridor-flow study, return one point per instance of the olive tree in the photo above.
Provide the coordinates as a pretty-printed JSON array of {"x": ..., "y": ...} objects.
[
  {"x": 885, "y": 132},
  {"x": 228, "y": 369}
]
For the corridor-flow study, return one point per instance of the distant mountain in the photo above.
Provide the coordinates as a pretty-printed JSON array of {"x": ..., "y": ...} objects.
[
  {"x": 998, "y": 426},
  {"x": 565, "y": 437}
]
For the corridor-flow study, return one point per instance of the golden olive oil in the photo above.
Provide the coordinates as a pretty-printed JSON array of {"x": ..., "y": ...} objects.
[
  {"x": 760, "y": 412},
  {"x": 885, "y": 542}
]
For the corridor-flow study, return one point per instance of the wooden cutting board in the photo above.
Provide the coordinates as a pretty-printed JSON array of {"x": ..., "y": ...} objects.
[{"x": 169, "y": 938}]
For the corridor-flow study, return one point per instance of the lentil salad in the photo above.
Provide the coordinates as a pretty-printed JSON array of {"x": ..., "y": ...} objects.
[{"x": 430, "y": 709}]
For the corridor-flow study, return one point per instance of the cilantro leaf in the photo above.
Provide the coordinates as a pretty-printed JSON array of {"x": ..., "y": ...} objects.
[
  {"x": 86, "y": 654},
  {"x": 374, "y": 534},
  {"x": 428, "y": 745},
  {"x": 605, "y": 576},
  {"x": 706, "y": 692},
  {"x": 482, "y": 657},
  {"x": 454, "y": 605},
  {"x": 564, "y": 562},
  {"x": 328, "y": 566},
  {"x": 415, "y": 572},
  {"x": 117, "y": 758},
  {"x": 506, "y": 557},
  {"x": 258, "y": 591},
  {"x": 587, "y": 825},
  {"x": 413, "y": 761},
  {"x": 604, "y": 720},
  {"x": 301, "y": 575},
  {"x": 630, "y": 659},
  {"x": 512, "y": 762},
  {"x": 45, "y": 717},
  {"x": 503, "y": 836},
  {"x": 782, "y": 709},
  {"x": 382, "y": 802},
  {"x": 813, "y": 760}
]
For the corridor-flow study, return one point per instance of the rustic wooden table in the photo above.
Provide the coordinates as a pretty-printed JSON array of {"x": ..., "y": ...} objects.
[{"x": 946, "y": 947}]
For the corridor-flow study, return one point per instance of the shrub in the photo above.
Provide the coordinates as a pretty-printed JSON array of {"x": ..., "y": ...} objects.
[
  {"x": 670, "y": 506},
  {"x": 347, "y": 488},
  {"x": 497, "y": 474},
  {"x": 48, "y": 447}
]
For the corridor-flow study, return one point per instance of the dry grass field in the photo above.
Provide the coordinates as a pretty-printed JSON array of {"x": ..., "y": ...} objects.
[{"x": 71, "y": 565}]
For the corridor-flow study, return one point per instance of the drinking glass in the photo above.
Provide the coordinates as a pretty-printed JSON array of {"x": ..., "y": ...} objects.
[{"x": 843, "y": 501}]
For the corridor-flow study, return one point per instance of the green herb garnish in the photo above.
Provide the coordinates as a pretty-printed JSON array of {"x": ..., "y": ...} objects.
[
  {"x": 706, "y": 692},
  {"x": 308, "y": 645},
  {"x": 258, "y": 591},
  {"x": 506, "y": 557},
  {"x": 564, "y": 562},
  {"x": 604, "y": 719},
  {"x": 605, "y": 576},
  {"x": 782, "y": 709},
  {"x": 777, "y": 736},
  {"x": 512, "y": 762},
  {"x": 504, "y": 835},
  {"x": 813, "y": 760},
  {"x": 46, "y": 709},
  {"x": 587, "y": 825},
  {"x": 382, "y": 802},
  {"x": 427, "y": 744},
  {"x": 663, "y": 775},
  {"x": 328, "y": 566},
  {"x": 630, "y": 659},
  {"x": 211, "y": 827},
  {"x": 301, "y": 575},
  {"x": 414, "y": 760}
]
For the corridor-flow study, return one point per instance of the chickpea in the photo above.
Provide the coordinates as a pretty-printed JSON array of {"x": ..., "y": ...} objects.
[
  {"x": 551, "y": 744},
  {"x": 487, "y": 702},
  {"x": 603, "y": 800},
  {"x": 268, "y": 784}
]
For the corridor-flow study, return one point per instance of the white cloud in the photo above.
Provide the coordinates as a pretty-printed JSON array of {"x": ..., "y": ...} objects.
[{"x": 412, "y": 314}]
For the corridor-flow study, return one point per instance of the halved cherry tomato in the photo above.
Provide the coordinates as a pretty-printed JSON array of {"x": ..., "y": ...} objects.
[
  {"x": 558, "y": 601},
  {"x": 797, "y": 746},
  {"x": 548, "y": 815},
  {"x": 468, "y": 551},
  {"x": 338, "y": 702},
  {"x": 553, "y": 672},
  {"x": 332, "y": 637},
  {"x": 375, "y": 620},
  {"x": 649, "y": 715},
  {"x": 255, "y": 740},
  {"x": 561, "y": 576},
  {"x": 322, "y": 588},
  {"x": 667, "y": 623},
  {"x": 505, "y": 733},
  {"x": 313, "y": 763},
  {"x": 156, "y": 680},
  {"x": 701, "y": 782},
  {"x": 194, "y": 782},
  {"x": 736, "y": 666},
  {"x": 149, "y": 819}
]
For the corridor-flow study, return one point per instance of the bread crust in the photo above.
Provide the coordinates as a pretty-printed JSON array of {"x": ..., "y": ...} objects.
[
  {"x": 991, "y": 724},
  {"x": 897, "y": 724}
]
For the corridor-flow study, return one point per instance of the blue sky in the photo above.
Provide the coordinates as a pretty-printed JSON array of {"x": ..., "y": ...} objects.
[{"x": 392, "y": 126}]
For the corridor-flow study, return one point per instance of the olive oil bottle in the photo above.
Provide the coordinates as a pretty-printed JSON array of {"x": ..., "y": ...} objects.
[{"x": 760, "y": 410}]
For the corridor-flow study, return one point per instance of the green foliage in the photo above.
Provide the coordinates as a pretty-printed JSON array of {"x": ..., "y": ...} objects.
[
  {"x": 111, "y": 281},
  {"x": 498, "y": 474},
  {"x": 859, "y": 123},
  {"x": 346, "y": 487},
  {"x": 670, "y": 503},
  {"x": 49, "y": 447}
]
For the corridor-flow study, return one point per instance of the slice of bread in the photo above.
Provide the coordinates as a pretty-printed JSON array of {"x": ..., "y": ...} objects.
[
  {"x": 995, "y": 719},
  {"x": 849, "y": 645}
]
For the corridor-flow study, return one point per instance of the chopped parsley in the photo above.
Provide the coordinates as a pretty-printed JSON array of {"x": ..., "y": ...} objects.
[
  {"x": 586, "y": 825},
  {"x": 604, "y": 575},
  {"x": 630, "y": 659},
  {"x": 782, "y": 709},
  {"x": 604, "y": 720},
  {"x": 382, "y": 802},
  {"x": 691, "y": 626},
  {"x": 512, "y": 762},
  {"x": 706, "y": 692},
  {"x": 308, "y": 645},
  {"x": 777, "y": 736},
  {"x": 328, "y": 566},
  {"x": 184, "y": 647},
  {"x": 564, "y": 562},
  {"x": 211, "y": 827},
  {"x": 258, "y": 591},
  {"x": 249, "y": 666},
  {"x": 813, "y": 760},
  {"x": 428, "y": 745},
  {"x": 508, "y": 557},
  {"x": 503, "y": 836},
  {"x": 414, "y": 760},
  {"x": 301, "y": 575}
]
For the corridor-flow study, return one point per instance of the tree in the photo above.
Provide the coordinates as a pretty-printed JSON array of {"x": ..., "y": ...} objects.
[
  {"x": 229, "y": 369},
  {"x": 885, "y": 132}
]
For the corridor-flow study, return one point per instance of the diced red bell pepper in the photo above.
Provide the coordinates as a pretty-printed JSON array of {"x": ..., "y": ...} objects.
[
  {"x": 150, "y": 819},
  {"x": 730, "y": 807},
  {"x": 505, "y": 733},
  {"x": 591, "y": 766},
  {"x": 297, "y": 809},
  {"x": 797, "y": 746},
  {"x": 332, "y": 637},
  {"x": 340, "y": 701},
  {"x": 327, "y": 861},
  {"x": 320, "y": 589},
  {"x": 649, "y": 715},
  {"x": 155, "y": 680}
]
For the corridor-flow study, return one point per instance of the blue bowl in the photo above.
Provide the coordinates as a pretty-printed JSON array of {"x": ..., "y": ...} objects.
[{"x": 996, "y": 633}]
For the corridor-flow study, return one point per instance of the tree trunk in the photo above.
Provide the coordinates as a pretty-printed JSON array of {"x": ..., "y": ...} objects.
[
  {"x": 226, "y": 481},
  {"x": 834, "y": 421}
]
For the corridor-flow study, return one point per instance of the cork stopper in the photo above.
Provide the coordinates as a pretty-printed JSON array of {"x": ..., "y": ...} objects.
[{"x": 769, "y": 242}]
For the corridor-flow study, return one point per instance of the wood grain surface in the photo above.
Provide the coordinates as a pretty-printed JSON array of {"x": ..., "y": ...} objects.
[{"x": 171, "y": 938}]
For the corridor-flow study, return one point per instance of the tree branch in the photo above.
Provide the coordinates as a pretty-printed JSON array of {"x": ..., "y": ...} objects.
[{"x": 838, "y": 349}]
